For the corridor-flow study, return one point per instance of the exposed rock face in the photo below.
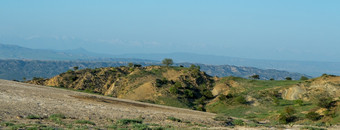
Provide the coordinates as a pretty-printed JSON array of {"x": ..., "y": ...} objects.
[{"x": 312, "y": 89}]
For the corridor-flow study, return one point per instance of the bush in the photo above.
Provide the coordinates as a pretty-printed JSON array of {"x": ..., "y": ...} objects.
[
  {"x": 276, "y": 101},
  {"x": 304, "y": 78},
  {"x": 255, "y": 76},
  {"x": 6, "y": 124},
  {"x": 178, "y": 85},
  {"x": 222, "y": 97},
  {"x": 298, "y": 102},
  {"x": 288, "y": 78},
  {"x": 174, "y": 119},
  {"x": 140, "y": 126},
  {"x": 188, "y": 93},
  {"x": 173, "y": 90},
  {"x": 286, "y": 118},
  {"x": 200, "y": 100},
  {"x": 241, "y": 100},
  {"x": 207, "y": 94},
  {"x": 238, "y": 122},
  {"x": 167, "y": 62},
  {"x": 129, "y": 121},
  {"x": 289, "y": 110},
  {"x": 325, "y": 102},
  {"x": 33, "y": 117},
  {"x": 57, "y": 118},
  {"x": 130, "y": 64},
  {"x": 313, "y": 116},
  {"x": 84, "y": 122}
]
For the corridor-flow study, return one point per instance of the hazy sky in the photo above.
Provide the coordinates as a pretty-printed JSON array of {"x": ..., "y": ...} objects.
[{"x": 262, "y": 29}]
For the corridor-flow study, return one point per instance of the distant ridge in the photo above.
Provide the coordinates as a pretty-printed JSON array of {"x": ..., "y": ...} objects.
[
  {"x": 17, "y": 52},
  {"x": 313, "y": 68},
  {"x": 18, "y": 69}
]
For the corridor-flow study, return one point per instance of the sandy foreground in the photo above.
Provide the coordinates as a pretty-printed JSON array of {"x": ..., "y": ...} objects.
[{"x": 18, "y": 100}]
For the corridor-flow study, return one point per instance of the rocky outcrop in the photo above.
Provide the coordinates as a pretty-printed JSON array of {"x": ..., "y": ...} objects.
[{"x": 325, "y": 85}]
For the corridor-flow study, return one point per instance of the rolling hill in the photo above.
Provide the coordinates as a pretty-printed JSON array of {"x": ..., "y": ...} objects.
[{"x": 269, "y": 102}]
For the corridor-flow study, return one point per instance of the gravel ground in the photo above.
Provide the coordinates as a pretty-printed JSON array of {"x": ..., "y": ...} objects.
[{"x": 18, "y": 100}]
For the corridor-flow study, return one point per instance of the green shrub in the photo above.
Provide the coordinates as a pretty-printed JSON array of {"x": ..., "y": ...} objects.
[
  {"x": 325, "y": 102},
  {"x": 178, "y": 85},
  {"x": 222, "y": 97},
  {"x": 200, "y": 108},
  {"x": 241, "y": 100},
  {"x": 288, "y": 78},
  {"x": 298, "y": 102},
  {"x": 200, "y": 100},
  {"x": 207, "y": 94},
  {"x": 33, "y": 117},
  {"x": 173, "y": 90},
  {"x": 174, "y": 119},
  {"x": 238, "y": 122},
  {"x": 6, "y": 124},
  {"x": 289, "y": 110},
  {"x": 276, "y": 101},
  {"x": 140, "y": 126},
  {"x": 129, "y": 121},
  {"x": 285, "y": 118},
  {"x": 188, "y": 93},
  {"x": 84, "y": 122},
  {"x": 313, "y": 116},
  {"x": 304, "y": 78},
  {"x": 57, "y": 118},
  {"x": 160, "y": 82}
]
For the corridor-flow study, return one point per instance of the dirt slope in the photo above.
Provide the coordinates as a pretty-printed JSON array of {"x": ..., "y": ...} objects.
[
  {"x": 312, "y": 89},
  {"x": 18, "y": 100}
]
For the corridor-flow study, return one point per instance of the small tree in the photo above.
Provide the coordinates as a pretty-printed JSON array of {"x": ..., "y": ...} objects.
[
  {"x": 298, "y": 102},
  {"x": 304, "y": 78},
  {"x": 325, "y": 102},
  {"x": 288, "y": 78},
  {"x": 287, "y": 116},
  {"x": 255, "y": 76},
  {"x": 130, "y": 64},
  {"x": 75, "y": 68},
  {"x": 167, "y": 61},
  {"x": 313, "y": 116},
  {"x": 241, "y": 100}
]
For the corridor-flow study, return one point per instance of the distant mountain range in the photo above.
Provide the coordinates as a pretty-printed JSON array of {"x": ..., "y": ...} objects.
[
  {"x": 310, "y": 68},
  {"x": 80, "y": 54},
  {"x": 313, "y": 68},
  {"x": 19, "y": 69}
]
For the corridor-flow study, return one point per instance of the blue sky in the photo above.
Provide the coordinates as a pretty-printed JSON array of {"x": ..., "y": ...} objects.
[{"x": 260, "y": 29}]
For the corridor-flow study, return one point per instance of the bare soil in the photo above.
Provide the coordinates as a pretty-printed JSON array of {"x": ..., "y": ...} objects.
[{"x": 18, "y": 100}]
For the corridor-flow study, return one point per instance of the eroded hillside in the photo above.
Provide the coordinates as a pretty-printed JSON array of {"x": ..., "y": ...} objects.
[
  {"x": 260, "y": 100},
  {"x": 186, "y": 87}
]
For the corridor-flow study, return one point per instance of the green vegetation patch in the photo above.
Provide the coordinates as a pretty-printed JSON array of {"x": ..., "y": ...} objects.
[
  {"x": 84, "y": 122},
  {"x": 174, "y": 119},
  {"x": 129, "y": 121},
  {"x": 172, "y": 101},
  {"x": 33, "y": 117}
]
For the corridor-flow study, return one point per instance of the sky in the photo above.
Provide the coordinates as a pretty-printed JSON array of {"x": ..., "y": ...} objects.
[{"x": 307, "y": 30}]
